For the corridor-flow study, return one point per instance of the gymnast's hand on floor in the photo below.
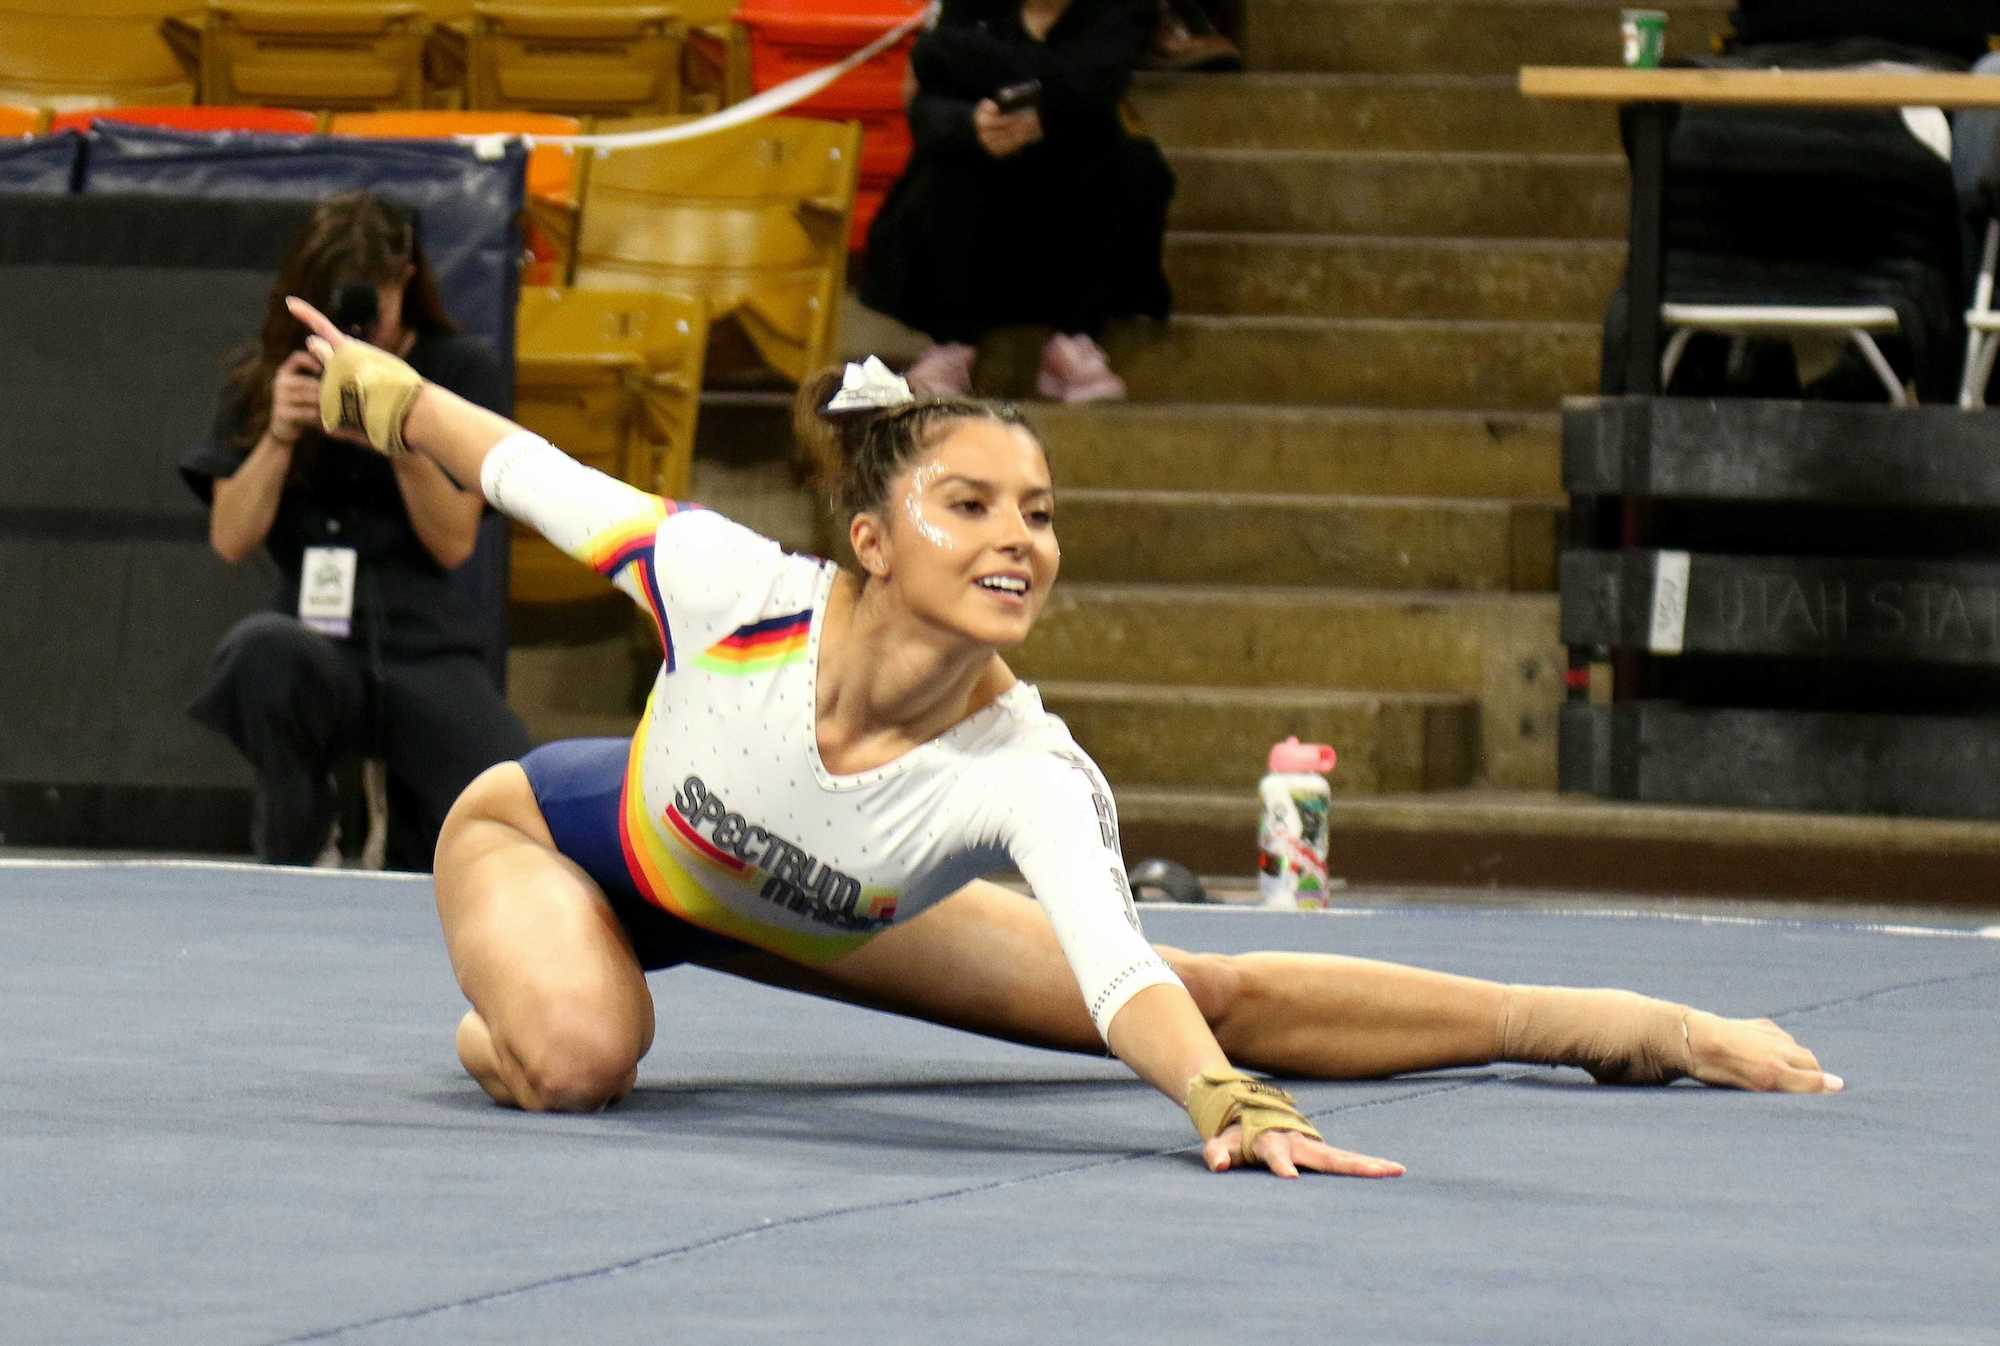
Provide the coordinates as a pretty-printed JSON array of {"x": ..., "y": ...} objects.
[
  {"x": 1753, "y": 1054},
  {"x": 1286, "y": 1152}
]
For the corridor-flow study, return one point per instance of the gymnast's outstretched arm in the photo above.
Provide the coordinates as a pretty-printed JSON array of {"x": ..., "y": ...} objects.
[
  {"x": 452, "y": 432},
  {"x": 589, "y": 515}
]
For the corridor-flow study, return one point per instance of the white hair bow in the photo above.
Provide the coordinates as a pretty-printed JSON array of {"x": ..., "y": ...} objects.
[{"x": 869, "y": 386}]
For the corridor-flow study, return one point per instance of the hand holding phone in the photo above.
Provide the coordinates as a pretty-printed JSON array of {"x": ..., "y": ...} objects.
[
  {"x": 1009, "y": 121},
  {"x": 1018, "y": 97}
]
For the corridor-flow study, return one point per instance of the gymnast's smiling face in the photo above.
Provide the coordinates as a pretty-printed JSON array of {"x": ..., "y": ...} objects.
[{"x": 966, "y": 537}]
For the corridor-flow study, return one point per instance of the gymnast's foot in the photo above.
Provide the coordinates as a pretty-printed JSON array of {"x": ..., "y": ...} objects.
[{"x": 1753, "y": 1054}]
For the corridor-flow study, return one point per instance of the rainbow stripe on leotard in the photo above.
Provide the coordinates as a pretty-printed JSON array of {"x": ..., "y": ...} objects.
[{"x": 630, "y": 543}]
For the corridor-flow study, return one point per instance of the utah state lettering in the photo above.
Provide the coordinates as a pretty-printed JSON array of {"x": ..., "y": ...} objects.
[{"x": 793, "y": 879}]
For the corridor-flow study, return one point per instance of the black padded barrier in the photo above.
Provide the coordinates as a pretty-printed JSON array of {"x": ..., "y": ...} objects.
[
  {"x": 1747, "y": 449},
  {"x": 1662, "y": 752},
  {"x": 112, "y": 599},
  {"x": 1910, "y": 611},
  {"x": 1803, "y": 605}
]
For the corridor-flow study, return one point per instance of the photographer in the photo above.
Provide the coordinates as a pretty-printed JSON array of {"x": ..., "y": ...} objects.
[
  {"x": 1025, "y": 201},
  {"x": 369, "y": 651}
]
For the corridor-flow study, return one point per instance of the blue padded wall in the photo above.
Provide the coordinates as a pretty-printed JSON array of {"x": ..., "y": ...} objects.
[
  {"x": 40, "y": 163},
  {"x": 468, "y": 204}
]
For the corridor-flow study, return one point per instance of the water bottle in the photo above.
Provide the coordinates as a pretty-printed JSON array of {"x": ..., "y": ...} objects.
[{"x": 1291, "y": 833}]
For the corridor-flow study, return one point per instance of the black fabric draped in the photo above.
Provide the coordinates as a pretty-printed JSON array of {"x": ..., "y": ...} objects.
[{"x": 1067, "y": 232}]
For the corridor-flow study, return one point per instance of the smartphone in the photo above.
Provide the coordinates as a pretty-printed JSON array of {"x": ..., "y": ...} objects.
[
  {"x": 1019, "y": 97},
  {"x": 355, "y": 308}
]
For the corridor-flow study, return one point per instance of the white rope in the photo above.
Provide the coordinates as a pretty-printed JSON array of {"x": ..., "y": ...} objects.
[{"x": 774, "y": 99}]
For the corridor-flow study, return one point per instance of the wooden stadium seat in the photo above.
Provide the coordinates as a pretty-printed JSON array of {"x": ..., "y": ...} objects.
[
  {"x": 614, "y": 378},
  {"x": 584, "y": 60},
  {"x": 753, "y": 220},
  {"x": 281, "y": 120},
  {"x": 553, "y": 172},
  {"x": 715, "y": 71},
  {"x": 87, "y": 54},
  {"x": 348, "y": 55},
  {"x": 21, "y": 121}
]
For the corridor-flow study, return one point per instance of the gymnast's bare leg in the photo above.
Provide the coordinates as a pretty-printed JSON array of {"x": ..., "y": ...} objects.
[
  {"x": 987, "y": 960},
  {"x": 560, "y": 1010}
]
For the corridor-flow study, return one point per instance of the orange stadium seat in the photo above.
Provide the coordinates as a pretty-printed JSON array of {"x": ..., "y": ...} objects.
[
  {"x": 788, "y": 38},
  {"x": 282, "y": 120},
  {"x": 21, "y": 121},
  {"x": 553, "y": 172},
  {"x": 584, "y": 60},
  {"x": 753, "y": 220},
  {"x": 348, "y": 55},
  {"x": 88, "y": 53},
  {"x": 614, "y": 377}
]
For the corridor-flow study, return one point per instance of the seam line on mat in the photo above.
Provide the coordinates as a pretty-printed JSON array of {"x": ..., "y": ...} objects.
[
  {"x": 664, "y": 1255},
  {"x": 1858, "y": 997}
]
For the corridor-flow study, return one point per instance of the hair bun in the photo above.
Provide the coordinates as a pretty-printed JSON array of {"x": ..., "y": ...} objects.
[{"x": 824, "y": 441}]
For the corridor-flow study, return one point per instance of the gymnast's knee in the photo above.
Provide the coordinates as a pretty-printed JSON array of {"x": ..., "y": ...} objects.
[
  {"x": 571, "y": 1064},
  {"x": 1215, "y": 980}
]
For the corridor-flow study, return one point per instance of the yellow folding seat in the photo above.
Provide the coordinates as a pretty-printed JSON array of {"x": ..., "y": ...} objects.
[
  {"x": 613, "y": 377},
  {"x": 716, "y": 69},
  {"x": 585, "y": 60},
  {"x": 553, "y": 172},
  {"x": 88, "y": 54},
  {"x": 752, "y": 219},
  {"x": 351, "y": 54}
]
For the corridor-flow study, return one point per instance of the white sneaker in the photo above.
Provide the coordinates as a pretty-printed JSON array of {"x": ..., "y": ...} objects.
[{"x": 1074, "y": 369}]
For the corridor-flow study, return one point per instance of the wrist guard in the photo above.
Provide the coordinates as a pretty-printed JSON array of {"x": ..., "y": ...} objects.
[
  {"x": 369, "y": 390},
  {"x": 1620, "y": 1037},
  {"x": 1216, "y": 1098}
]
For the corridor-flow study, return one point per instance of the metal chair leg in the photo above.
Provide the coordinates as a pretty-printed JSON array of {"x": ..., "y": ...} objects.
[{"x": 1880, "y": 364}]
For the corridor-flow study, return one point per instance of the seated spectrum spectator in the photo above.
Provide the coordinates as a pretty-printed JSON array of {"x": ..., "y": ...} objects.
[
  {"x": 1025, "y": 200},
  {"x": 369, "y": 650}
]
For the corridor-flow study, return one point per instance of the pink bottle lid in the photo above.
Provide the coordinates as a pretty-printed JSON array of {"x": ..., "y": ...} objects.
[{"x": 1292, "y": 755}]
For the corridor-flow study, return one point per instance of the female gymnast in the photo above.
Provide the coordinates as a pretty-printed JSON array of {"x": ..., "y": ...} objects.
[{"x": 830, "y": 758}]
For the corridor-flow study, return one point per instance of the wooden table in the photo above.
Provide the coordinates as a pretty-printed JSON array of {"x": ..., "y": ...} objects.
[{"x": 1655, "y": 98}]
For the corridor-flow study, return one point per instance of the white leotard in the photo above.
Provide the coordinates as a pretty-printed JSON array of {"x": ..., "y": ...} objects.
[{"x": 731, "y": 820}]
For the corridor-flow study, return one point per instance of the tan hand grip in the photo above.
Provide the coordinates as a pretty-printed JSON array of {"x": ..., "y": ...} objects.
[
  {"x": 1620, "y": 1037},
  {"x": 1216, "y": 1098},
  {"x": 369, "y": 390}
]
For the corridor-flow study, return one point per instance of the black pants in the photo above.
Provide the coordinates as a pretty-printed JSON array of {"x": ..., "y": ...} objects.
[{"x": 296, "y": 703}]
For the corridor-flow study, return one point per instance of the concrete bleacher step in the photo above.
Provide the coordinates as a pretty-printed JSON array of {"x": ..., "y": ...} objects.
[
  {"x": 1456, "y": 36},
  {"x": 1436, "y": 195},
  {"x": 1568, "y": 844},
  {"x": 547, "y": 726},
  {"x": 593, "y": 678},
  {"x": 1310, "y": 450},
  {"x": 1205, "y": 537},
  {"x": 1331, "y": 276},
  {"x": 1218, "y": 736},
  {"x": 1500, "y": 648},
  {"x": 1523, "y": 366},
  {"x": 1365, "y": 112}
]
